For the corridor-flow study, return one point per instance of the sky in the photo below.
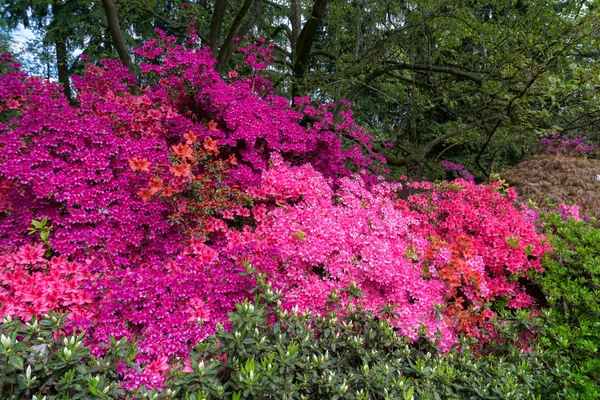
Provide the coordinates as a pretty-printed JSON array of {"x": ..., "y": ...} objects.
[{"x": 20, "y": 37}]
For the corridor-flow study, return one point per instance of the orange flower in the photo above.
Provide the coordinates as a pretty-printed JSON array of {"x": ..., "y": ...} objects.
[
  {"x": 232, "y": 160},
  {"x": 145, "y": 195},
  {"x": 168, "y": 192},
  {"x": 211, "y": 125},
  {"x": 190, "y": 137},
  {"x": 211, "y": 146},
  {"x": 156, "y": 185},
  {"x": 140, "y": 164},
  {"x": 184, "y": 151},
  {"x": 183, "y": 169}
]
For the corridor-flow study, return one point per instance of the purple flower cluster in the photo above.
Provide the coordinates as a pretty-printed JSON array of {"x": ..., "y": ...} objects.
[
  {"x": 557, "y": 143},
  {"x": 459, "y": 168},
  {"x": 258, "y": 56},
  {"x": 569, "y": 211},
  {"x": 251, "y": 119}
]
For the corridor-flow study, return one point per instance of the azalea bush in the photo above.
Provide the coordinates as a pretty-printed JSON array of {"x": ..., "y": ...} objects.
[
  {"x": 157, "y": 197},
  {"x": 90, "y": 171},
  {"x": 440, "y": 257}
]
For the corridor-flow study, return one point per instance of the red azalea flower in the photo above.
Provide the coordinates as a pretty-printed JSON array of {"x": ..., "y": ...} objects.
[
  {"x": 155, "y": 185},
  {"x": 212, "y": 125},
  {"x": 183, "y": 151}
]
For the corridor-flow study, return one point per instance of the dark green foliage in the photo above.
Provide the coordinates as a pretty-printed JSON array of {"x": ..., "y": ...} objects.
[
  {"x": 360, "y": 356},
  {"x": 36, "y": 362},
  {"x": 273, "y": 354}
]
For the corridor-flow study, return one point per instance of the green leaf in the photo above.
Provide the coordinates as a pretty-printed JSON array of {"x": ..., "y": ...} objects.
[{"x": 16, "y": 362}]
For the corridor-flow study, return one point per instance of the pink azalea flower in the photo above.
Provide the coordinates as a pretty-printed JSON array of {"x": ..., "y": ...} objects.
[{"x": 31, "y": 254}]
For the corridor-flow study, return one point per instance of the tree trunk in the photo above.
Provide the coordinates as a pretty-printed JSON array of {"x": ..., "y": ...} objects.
[
  {"x": 295, "y": 20},
  {"x": 216, "y": 25},
  {"x": 253, "y": 15},
  {"x": 248, "y": 24},
  {"x": 305, "y": 43},
  {"x": 358, "y": 42},
  {"x": 114, "y": 28},
  {"x": 62, "y": 56},
  {"x": 224, "y": 53},
  {"x": 62, "y": 65}
]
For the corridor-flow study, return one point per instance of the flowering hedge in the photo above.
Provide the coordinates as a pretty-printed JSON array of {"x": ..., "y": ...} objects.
[
  {"x": 459, "y": 246},
  {"x": 158, "y": 199}
]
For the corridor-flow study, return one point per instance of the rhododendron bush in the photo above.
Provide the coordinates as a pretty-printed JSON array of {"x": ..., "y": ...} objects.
[{"x": 158, "y": 199}]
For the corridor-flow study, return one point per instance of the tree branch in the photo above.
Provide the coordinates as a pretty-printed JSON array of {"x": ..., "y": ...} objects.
[
  {"x": 239, "y": 27},
  {"x": 253, "y": 15},
  {"x": 114, "y": 27},
  {"x": 411, "y": 81},
  {"x": 237, "y": 21},
  {"x": 162, "y": 18},
  {"x": 420, "y": 156},
  {"x": 280, "y": 28},
  {"x": 438, "y": 68},
  {"x": 323, "y": 53},
  {"x": 273, "y": 4}
]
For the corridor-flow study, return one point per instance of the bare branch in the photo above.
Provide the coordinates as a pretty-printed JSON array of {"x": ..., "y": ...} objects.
[{"x": 323, "y": 53}]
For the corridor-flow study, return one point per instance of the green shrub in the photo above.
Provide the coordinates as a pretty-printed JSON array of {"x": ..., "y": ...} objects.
[
  {"x": 37, "y": 362},
  {"x": 570, "y": 282},
  {"x": 273, "y": 354}
]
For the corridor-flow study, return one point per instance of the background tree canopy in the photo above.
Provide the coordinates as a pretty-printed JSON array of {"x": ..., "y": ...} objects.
[{"x": 477, "y": 82}]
